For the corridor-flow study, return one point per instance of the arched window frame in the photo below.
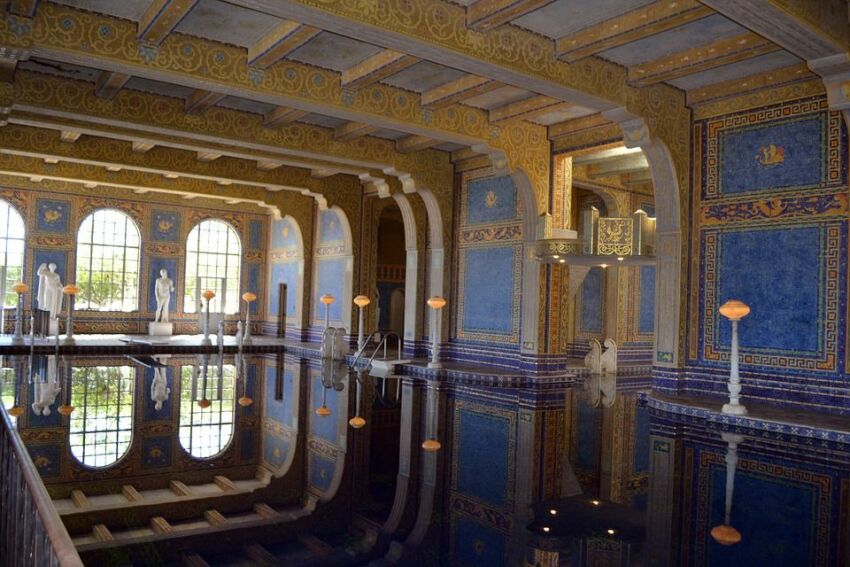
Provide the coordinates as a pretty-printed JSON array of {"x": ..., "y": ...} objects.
[
  {"x": 193, "y": 267},
  {"x": 12, "y": 248},
  {"x": 130, "y": 272},
  {"x": 95, "y": 408}
]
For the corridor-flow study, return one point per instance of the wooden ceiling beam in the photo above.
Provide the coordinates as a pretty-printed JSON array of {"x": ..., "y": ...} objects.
[
  {"x": 142, "y": 147},
  {"x": 485, "y": 15},
  {"x": 414, "y": 143},
  {"x": 376, "y": 68},
  {"x": 352, "y": 130},
  {"x": 525, "y": 109},
  {"x": 69, "y": 136},
  {"x": 201, "y": 100},
  {"x": 161, "y": 17},
  {"x": 282, "y": 116},
  {"x": 457, "y": 91},
  {"x": 645, "y": 21},
  {"x": 629, "y": 163},
  {"x": 568, "y": 127},
  {"x": 285, "y": 38},
  {"x": 108, "y": 84},
  {"x": 735, "y": 87},
  {"x": 208, "y": 156},
  {"x": 701, "y": 58}
]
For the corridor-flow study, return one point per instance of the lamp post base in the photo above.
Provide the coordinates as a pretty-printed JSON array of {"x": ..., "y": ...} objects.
[
  {"x": 734, "y": 409},
  {"x": 69, "y": 340}
]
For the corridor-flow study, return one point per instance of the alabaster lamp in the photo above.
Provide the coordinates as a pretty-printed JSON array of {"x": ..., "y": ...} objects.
[
  {"x": 208, "y": 296},
  {"x": 327, "y": 299},
  {"x": 71, "y": 291},
  {"x": 248, "y": 298},
  {"x": 734, "y": 310},
  {"x": 436, "y": 303},
  {"x": 361, "y": 301},
  {"x": 20, "y": 288}
]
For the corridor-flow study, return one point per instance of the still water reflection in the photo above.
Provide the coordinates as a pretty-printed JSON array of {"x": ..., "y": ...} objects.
[{"x": 280, "y": 460}]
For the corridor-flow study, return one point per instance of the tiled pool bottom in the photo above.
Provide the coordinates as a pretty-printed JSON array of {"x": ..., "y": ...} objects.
[{"x": 255, "y": 459}]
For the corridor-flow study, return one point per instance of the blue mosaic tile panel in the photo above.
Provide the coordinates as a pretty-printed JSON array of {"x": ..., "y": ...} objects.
[{"x": 492, "y": 199}]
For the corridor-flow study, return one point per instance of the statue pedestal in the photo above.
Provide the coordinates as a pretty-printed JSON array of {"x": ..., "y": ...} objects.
[{"x": 158, "y": 329}]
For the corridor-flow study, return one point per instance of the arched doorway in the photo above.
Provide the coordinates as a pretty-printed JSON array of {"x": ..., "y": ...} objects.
[{"x": 391, "y": 271}]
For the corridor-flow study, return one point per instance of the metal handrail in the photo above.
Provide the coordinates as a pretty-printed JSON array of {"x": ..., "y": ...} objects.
[
  {"x": 384, "y": 344},
  {"x": 31, "y": 531},
  {"x": 360, "y": 350}
]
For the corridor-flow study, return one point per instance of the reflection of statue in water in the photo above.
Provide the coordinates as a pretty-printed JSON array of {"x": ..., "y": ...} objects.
[
  {"x": 159, "y": 387},
  {"x": 46, "y": 392},
  {"x": 164, "y": 289},
  {"x": 49, "y": 290}
]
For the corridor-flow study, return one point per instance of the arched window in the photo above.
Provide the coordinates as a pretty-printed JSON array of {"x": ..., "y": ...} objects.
[
  {"x": 12, "y": 233},
  {"x": 102, "y": 423},
  {"x": 213, "y": 261},
  {"x": 108, "y": 249},
  {"x": 206, "y": 431}
]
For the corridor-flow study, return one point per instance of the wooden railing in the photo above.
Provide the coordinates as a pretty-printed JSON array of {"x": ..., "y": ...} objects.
[{"x": 31, "y": 532}]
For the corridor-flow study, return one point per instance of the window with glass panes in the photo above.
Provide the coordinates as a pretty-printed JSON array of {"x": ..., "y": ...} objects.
[
  {"x": 108, "y": 251},
  {"x": 102, "y": 423},
  {"x": 213, "y": 257},
  {"x": 12, "y": 234},
  {"x": 206, "y": 431}
]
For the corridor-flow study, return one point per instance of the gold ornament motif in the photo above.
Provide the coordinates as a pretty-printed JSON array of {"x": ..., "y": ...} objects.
[
  {"x": 770, "y": 155},
  {"x": 490, "y": 200}
]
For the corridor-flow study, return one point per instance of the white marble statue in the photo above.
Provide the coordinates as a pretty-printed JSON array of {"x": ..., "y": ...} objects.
[
  {"x": 608, "y": 360},
  {"x": 163, "y": 290},
  {"x": 159, "y": 387},
  {"x": 593, "y": 357},
  {"x": 46, "y": 392},
  {"x": 49, "y": 290}
]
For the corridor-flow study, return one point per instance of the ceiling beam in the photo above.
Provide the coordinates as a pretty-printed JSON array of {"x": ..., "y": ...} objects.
[
  {"x": 208, "y": 156},
  {"x": 637, "y": 177},
  {"x": 626, "y": 164},
  {"x": 570, "y": 127},
  {"x": 457, "y": 91},
  {"x": 751, "y": 83},
  {"x": 161, "y": 17},
  {"x": 525, "y": 109},
  {"x": 268, "y": 165},
  {"x": 285, "y": 38},
  {"x": 282, "y": 116},
  {"x": 645, "y": 21},
  {"x": 108, "y": 84},
  {"x": 414, "y": 144},
  {"x": 376, "y": 68},
  {"x": 25, "y": 8},
  {"x": 701, "y": 58},
  {"x": 352, "y": 130},
  {"x": 321, "y": 173},
  {"x": 810, "y": 30},
  {"x": 201, "y": 100},
  {"x": 604, "y": 156},
  {"x": 485, "y": 15}
]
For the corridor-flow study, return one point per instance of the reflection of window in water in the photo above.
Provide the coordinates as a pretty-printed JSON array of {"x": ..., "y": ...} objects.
[
  {"x": 102, "y": 424},
  {"x": 206, "y": 432},
  {"x": 7, "y": 387}
]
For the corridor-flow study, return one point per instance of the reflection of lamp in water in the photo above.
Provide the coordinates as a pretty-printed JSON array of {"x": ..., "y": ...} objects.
[
  {"x": 71, "y": 291},
  {"x": 431, "y": 444},
  {"x": 725, "y": 534},
  {"x": 361, "y": 301},
  {"x": 202, "y": 399},
  {"x": 20, "y": 288},
  {"x": 436, "y": 303},
  {"x": 65, "y": 409},
  {"x": 323, "y": 410},
  {"x": 734, "y": 310},
  {"x": 357, "y": 421},
  {"x": 241, "y": 372},
  {"x": 327, "y": 299}
]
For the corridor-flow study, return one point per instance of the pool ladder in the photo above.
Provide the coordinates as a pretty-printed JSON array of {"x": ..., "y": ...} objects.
[{"x": 382, "y": 343}]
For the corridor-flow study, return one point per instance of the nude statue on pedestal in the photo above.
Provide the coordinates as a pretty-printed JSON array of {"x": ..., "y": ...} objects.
[
  {"x": 163, "y": 291},
  {"x": 49, "y": 290}
]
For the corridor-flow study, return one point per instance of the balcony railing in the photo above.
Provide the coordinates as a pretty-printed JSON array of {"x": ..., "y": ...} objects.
[{"x": 31, "y": 532}]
